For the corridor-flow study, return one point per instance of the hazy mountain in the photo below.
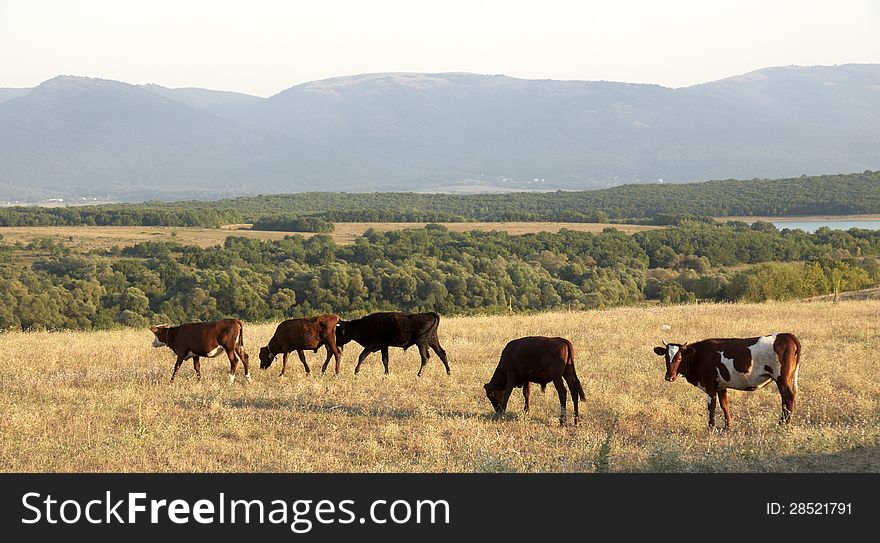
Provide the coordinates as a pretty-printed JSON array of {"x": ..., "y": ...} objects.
[
  {"x": 434, "y": 132},
  {"x": 203, "y": 98},
  {"x": 74, "y": 136},
  {"x": 9, "y": 94}
]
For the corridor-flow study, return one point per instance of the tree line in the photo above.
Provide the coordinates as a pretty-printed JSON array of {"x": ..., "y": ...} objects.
[
  {"x": 46, "y": 284},
  {"x": 651, "y": 203}
]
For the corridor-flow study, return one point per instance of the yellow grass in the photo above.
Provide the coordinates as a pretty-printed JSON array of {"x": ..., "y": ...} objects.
[
  {"x": 100, "y": 401},
  {"x": 104, "y": 237}
]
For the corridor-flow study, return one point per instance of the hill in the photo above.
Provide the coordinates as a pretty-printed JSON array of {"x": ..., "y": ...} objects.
[
  {"x": 75, "y": 137},
  {"x": 74, "y": 405}
]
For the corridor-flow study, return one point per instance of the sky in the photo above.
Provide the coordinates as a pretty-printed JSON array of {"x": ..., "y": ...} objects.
[{"x": 262, "y": 47}]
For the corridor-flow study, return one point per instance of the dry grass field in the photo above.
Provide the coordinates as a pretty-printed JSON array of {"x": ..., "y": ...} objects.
[
  {"x": 104, "y": 237},
  {"x": 101, "y": 401}
]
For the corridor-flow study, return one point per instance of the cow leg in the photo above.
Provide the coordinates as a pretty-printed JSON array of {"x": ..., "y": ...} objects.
[
  {"x": 176, "y": 367},
  {"x": 507, "y": 392},
  {"x": 572, "y": 387},
  {"x": 560, "y": 388},
  {"x": 789, "y": 395},
  {"x": 337, "y": 355},
  {"x": 423, "y": 352},
  {"x": 361, "y": 358},
  {"x": 711, "y": 401},
  {"x": 247, "y": 371},
  {"x": 283, "y": 364},
  {"x": 526, "y": 392},
  {"x": 435, "y": 346},
  {"x": 302, "y": 358},
  {"x": 327, "y": 360},
  {"x": 385, "y": 359},
  {"x": 233, "y": 362},
  {"x": 725, "y": 407},
  {"x": 198, "y": 367}
]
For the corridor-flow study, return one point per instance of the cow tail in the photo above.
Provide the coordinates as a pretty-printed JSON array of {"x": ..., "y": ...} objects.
[
  {"x": 797, "y": 360},
  {"x": 240, "y": 335},
  {"x": 577, "y": 382}
]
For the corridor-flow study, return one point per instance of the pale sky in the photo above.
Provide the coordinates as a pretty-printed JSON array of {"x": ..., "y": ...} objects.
[{"x": 262, "y": 47}]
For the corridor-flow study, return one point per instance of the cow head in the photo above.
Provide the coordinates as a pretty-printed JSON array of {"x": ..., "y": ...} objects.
[
  {"x": 160, "y": 333},
  {"x": 496, "y": 396},
  {"x": 343, "y": 334},
  {"x": 266, "y": 357},
  {"x": 673, "y": 353}
]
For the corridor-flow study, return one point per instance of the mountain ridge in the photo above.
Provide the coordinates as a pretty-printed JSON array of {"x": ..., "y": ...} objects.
[{"x": 79, "y": 136}]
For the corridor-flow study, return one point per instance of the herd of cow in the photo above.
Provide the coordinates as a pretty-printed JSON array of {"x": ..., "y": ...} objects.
[{"x": 712, "y": 365}]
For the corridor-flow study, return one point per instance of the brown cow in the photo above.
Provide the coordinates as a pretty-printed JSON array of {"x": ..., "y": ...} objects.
[
  {"x": 716, "y": 365},
  {"x": 204, "y": 339},
  {"x": 539, "y": 360},
  {"x": 302, "y": 334}
]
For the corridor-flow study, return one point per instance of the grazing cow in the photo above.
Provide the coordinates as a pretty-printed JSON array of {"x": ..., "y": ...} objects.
[
  {"x": 715, "y": 365},
  {"x": 302, "y": 334},
  {"x": 378, "y": 331},
  {"x": 204, "y": 339},
  {"x": 535, "y": 360}
]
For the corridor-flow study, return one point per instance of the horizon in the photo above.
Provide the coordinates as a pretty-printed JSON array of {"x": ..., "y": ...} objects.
[
  {"x": 459, "y": 72},
  {"x": 264, "y": 47}
]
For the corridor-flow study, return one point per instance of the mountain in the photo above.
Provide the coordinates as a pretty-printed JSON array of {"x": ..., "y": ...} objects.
[
  {"x": 9, "y": 94},
  {"x": 203, "y": 98},
  {"x": 73, "y": 136}
]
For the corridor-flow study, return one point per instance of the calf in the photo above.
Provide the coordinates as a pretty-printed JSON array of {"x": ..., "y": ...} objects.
[
  {"x": 716, "y": 365},
  {"x": 535, "y": 360},
  {"x": 204, "y": 339},
  {"x": 299, "y": 335},
  {"x": 379, "y": 331}
]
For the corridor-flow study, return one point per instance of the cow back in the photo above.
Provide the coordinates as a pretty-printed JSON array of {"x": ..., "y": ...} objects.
[{"x": 393, "y": 329}]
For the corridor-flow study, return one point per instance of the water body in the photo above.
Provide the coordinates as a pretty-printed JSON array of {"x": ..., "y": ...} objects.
[{"x": 813, "y": 225}]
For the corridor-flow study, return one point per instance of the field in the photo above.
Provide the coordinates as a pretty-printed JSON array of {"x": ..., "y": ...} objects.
[
  {"x": 101, "y": 401},
  {"x": 104, "y": 237}
]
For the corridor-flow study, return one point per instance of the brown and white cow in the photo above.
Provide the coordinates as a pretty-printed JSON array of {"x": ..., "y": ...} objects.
[
  {"x": 307, "y": 334},
  {"x": 204, "y": 339},
  {"x": 540, "y": 360},
  {"x": 716, "y": 365}
]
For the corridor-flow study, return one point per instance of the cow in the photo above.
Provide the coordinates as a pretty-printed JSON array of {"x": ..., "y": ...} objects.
[
  {"x": 379, "y": 331},
  {"x": 718, "y": 364},
  {"x": 540, "y": 360},
  {"x": 204, "y": 339},
  {"x": 302, "y": 334}
]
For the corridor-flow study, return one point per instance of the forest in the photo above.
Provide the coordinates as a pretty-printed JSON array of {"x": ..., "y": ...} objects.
[
  {"x": 47, "y": 285},
  {"x": 655, "y": 203}
]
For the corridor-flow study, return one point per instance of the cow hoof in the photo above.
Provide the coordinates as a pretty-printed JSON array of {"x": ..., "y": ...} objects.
[
  {"x": 248, "y": 377},
  {"x": 231, "y": 378}
]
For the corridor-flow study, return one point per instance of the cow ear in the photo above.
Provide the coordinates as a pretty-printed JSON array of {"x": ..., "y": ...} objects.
[
  {"x": 660, "y": 351},
  {"x": 154, "y": 329}
]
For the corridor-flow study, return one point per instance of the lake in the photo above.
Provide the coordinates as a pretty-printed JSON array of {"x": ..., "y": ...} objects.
[{"x": 813, "y": 225}]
